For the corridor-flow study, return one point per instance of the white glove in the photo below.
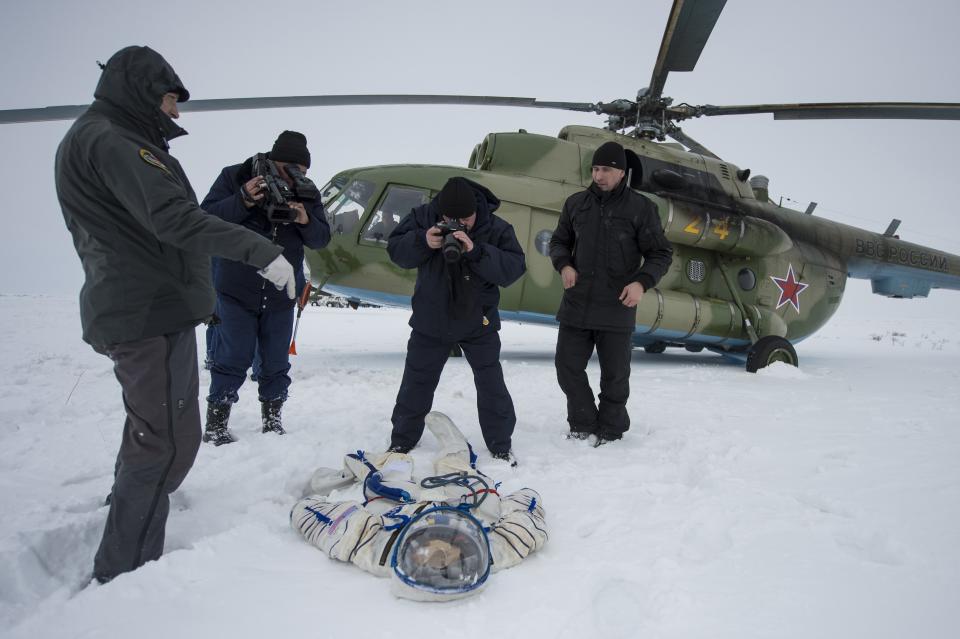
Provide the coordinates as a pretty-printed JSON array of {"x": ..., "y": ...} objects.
[{"x": 280, "y": 274}]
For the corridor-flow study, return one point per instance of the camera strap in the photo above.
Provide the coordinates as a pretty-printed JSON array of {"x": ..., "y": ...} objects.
[{"x": 461, "y": 287}]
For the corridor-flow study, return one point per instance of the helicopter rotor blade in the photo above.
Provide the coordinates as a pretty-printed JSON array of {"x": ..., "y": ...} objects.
[
  {"x": 687, "y": 31},
  {"x": 844, "y": 110},
  {"x": 69, "y": 112},
  {"x": 42, "y": 114},
  {"x": 233, "y": 104}
]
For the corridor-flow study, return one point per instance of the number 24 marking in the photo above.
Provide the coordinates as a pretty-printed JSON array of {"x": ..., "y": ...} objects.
[{"x": 721, "y": 227}]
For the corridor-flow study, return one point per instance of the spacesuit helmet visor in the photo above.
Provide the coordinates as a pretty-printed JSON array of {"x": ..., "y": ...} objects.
[{"x": 443, "y": 553}]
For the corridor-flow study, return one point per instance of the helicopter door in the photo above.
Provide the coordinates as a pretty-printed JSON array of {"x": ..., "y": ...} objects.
[
  {"x": 518, "y": 215},
  {"x": 542, "y": 290}
]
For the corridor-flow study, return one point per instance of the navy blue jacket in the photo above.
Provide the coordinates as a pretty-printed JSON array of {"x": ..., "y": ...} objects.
[
  {"x": 241, "y": 281},
  {"x": 496, "y": 260}
]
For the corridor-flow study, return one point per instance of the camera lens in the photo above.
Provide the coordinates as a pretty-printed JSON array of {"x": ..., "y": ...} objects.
[{"x": 451, "y": 248}]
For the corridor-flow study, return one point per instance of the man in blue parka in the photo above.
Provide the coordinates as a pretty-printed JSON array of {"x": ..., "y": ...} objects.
[
  {"x": 253, "y": 316},
  {"x": 463, "y": 253}
]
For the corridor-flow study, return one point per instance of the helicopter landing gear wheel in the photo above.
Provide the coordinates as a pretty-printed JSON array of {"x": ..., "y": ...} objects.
[
  {"x": 655, "y": 349},
  {"x": 694, "y": 348},
  {"x": 768, "y": 350}
]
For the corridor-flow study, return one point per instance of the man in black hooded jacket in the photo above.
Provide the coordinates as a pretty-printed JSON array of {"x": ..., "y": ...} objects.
[
  {"x": 610, "y": 249},
  {"x": 145, "y": 244},
  {"x": 455, "y": 303}
]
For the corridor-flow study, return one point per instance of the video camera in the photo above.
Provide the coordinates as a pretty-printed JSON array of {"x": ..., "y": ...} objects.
[
  {"x": 450, "y": 247},
  {"x": 278, "y": 194}
]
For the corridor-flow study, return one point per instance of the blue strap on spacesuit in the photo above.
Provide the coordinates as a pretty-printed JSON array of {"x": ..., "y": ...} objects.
[
  {"x": 373, "y": 483},
  {"x": 394, "y": 513},
  {"x": 361, "y": 457},
  {"x": 473, "y": 456}
]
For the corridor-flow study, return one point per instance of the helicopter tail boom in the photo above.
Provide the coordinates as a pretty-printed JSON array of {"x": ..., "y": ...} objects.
[{"x": 901, "y": 269}]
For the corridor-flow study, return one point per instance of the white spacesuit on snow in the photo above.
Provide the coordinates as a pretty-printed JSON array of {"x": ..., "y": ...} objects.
[{"x": 439, "y": 538}]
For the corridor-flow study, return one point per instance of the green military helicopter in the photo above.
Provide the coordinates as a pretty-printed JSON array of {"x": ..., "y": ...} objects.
[{"x": 749, "y": 278}]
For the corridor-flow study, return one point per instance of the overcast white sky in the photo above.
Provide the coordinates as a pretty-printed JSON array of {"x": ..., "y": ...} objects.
[{"x": 861, "y": 172}]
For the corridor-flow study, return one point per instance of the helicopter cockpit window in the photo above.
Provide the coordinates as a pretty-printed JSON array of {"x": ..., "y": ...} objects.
[
  {"x": 346, "y": 210},
  {"x": 332, "y": 189},
  {"x": 396, "y": 204}
]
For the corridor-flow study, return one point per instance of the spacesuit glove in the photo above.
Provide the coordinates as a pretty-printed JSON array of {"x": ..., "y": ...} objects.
[{"x": 280, "y": 274}]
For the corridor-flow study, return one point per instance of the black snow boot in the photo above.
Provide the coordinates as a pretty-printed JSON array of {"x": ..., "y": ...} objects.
[
  {"x": 270, "y": 414},
  {"x": 506, "y": 456},
  {"x": 216, "y": 431},
  {"x": 399, "y": 448}
]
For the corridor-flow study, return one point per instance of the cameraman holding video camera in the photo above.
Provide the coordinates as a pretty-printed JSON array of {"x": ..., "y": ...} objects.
[
  {"x": 463, "y": 253},
  {"x": 269, "y": 194}
]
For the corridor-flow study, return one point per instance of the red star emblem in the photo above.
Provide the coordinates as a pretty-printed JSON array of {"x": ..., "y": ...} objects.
[{"x": 790, "y": 289}]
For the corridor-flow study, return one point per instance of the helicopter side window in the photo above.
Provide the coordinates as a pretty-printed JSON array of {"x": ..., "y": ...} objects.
[
  {"x": 396, "y": 204},
  {"x": 345, "y": 212}
]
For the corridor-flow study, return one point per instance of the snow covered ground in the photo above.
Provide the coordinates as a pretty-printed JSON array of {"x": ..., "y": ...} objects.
[{"x": 814, "y": 502}]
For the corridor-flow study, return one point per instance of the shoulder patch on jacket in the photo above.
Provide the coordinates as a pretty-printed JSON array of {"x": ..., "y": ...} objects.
[{"x": 152, "y": 160}]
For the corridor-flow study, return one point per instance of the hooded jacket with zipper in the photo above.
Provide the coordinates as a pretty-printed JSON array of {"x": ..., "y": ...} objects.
[
  {"x": 241, "y": 281},
  {"x": 451, "y": 301},
  {"x": 142, "y": 239},
  {"x": 611, "y": 239}
]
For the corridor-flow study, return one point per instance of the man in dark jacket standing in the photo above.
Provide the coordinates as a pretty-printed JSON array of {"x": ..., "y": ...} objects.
[
  {"x": 455, "y": 303},
  {"x": 610, "y": 249},
  {"x": 254, "y": 317},
  {"x": 144, "y": 244}
]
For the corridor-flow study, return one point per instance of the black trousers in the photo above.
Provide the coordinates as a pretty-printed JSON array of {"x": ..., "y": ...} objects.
[
  {"x": 426, "y": 357},
  {"x": 614, "y": 348},
  {"x": 161, "y": 436}
]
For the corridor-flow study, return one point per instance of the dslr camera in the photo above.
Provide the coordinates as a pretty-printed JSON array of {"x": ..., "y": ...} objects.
[
  {"x": 450, "y": 247},
  {"x": 278, "y": 194}
]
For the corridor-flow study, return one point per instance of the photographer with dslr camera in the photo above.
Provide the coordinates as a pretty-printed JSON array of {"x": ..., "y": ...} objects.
[
  {"x": 269, "y": 194},
  {"x": 463, "y": 253}
]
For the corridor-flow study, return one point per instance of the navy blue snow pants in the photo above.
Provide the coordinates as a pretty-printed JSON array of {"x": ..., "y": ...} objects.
[
  {"x": 238, "y": 336},
  {"x": 212, "y": 348},
  {"x": 426, "y": 357}
]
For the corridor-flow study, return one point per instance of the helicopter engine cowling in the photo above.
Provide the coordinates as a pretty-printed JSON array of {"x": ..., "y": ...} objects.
[
  {"x": 741, "y": 235},
  {"x": 675, "y": 315}
]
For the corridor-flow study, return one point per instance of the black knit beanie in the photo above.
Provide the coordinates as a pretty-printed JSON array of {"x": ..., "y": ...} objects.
[
  {"x": 610, "y": 154},
  {"x": 456, "y": 199},
  {"x": 291, "y": 147}
]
